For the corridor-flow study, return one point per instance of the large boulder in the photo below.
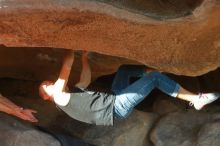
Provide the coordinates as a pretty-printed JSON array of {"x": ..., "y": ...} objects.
[
  {"x": 133, "y": 131},
  {"x": 187, "y": 45},
  {"x": 187, "y": 129},
  {"x": 209, "y": 134},
  {"x": 15, "y": 133}
]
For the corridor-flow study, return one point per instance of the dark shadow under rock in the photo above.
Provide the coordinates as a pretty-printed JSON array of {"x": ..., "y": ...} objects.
[
  {"x": 158, "y": 9},
  {"x": 164, "y": 105}
]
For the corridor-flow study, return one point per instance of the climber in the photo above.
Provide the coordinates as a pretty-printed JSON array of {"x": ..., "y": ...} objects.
[
  {"x": 9, "y": 107},
  {"x": 101, "y": 108}
]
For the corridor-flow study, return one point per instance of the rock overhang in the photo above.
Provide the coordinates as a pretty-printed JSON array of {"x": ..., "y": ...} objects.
[{"x": 187, "y": 45}]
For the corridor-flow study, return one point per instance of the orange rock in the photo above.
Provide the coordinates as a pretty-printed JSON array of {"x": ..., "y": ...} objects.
[{"x": 184, "y": 46}]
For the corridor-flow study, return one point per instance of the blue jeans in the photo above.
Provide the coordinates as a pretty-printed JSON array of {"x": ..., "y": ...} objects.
[{"x": 129, "y": 95}]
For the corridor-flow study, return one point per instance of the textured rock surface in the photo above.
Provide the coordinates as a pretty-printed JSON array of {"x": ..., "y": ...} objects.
[
  {"x": 133, "y": 131},
  {"x": 209, "y": 134},
  {"x": 187, "y": 46},
  {"x": 187, "y": 129},
  {"x": 14, "y": 133},
  {"x": 45, "y": 63}
]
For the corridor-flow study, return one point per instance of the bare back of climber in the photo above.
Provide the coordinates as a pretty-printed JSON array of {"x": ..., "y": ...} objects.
[{"x": 101, "y": 108}]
